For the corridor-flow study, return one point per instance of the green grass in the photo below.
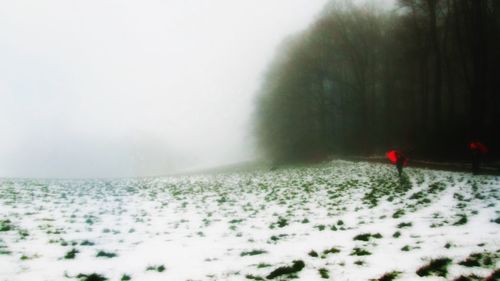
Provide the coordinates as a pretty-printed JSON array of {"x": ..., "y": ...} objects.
[
  {"x": 389, "y": 276},
  {"x": 324, "y": 273},
  {"x": 437, "y": 267},
  {"x": 484, "y": 259},
  {"x": 362, "y": 237},
  {"x": 320, "y": 227},
  {"x": 332, "y": 250},
  {"x": 159, "y": 268},
  {"x": 263, "y": 265},
  {"x": 87, "y": 243},
  {"x": 252, "y": 253},
  {"x": 5, "y": 225},
  {"x": 104, "y": 254},
  {"x": 406, "y": 248},
  {"x": 367, "y": 236},
  {"x": 462, "y": 220},
  {"x": 253, "y": 277},
  {"x": 282, "y": 222},
  {"x": 91, "y": 277},
  {"x": 471, "y": 277},
  {"x": 313, "y": 254},
  {"x": 360, "y": 252},
  {"x": 359, "y": 262},
  {"x": 71, "y": 254},
  {"x": 405, "y": 224},
  {"x": 297, "y": 266},
  {"x": 399, "y": 213}
]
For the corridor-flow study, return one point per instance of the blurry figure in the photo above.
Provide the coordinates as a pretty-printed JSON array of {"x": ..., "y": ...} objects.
[
  {"x": 401, "y": 161},
  {"x": 477, "y": 149},
  {"x": 398, "y": 159}
]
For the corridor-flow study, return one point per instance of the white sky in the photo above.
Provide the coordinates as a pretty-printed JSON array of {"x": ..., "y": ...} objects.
[{"x": 96, "y": 88}]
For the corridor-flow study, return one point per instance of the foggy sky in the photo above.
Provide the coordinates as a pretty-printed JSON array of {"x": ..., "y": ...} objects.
[{"x": 110, "y": 88}]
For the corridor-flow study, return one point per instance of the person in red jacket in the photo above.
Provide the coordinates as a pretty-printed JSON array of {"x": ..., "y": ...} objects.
[
  {"x": 477, "y": 149},
  {"x": 397, "y": 158}
]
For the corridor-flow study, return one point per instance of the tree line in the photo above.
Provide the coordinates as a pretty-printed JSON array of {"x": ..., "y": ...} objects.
[{"x": 422, "y": 77}]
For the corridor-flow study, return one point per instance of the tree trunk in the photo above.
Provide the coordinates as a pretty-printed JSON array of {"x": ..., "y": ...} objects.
[{"x": 434, "y": 38}]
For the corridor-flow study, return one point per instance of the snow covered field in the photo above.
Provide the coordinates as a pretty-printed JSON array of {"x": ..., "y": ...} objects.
[{"x": 338, "y": 221}]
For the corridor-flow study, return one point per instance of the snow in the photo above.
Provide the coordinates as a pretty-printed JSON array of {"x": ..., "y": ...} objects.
[{"x": 198, "y": 226}]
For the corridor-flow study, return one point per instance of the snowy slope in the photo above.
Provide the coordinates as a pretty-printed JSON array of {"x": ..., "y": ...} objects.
[{"x": 343, "y": 220}]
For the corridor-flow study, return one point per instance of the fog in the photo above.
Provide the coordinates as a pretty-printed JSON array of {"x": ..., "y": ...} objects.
[{"x": 134, "y": 88}]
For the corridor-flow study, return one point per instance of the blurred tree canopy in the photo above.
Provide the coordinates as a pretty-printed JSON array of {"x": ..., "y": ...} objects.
[{"x": 423, "y": 77}]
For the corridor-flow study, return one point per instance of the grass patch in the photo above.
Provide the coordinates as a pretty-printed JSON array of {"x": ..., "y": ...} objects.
[
  {"x": 253, "y": 277},
  {"x": 359, "y": 262},
  {"x": 366, "y": 236},
  {"x": 87, "y": 243},
  {"x": 405, "y": 224},
  {"x": 320, "y": 227},
  {"x": 103, "y": 254},
  {"x": 324, "y": 273},
  {"x": 362, "y": 237},
  {"x": 480, "y": 260},
  {"x": 471, "y": 277},
  {"x": 462, "y": 220},
  {"x": 5, "y": 225},
  {"x": 91, "y": 277},
  {"x": 360, "y": 252},
  {"x": 282, "y": 222},
  {"x": 313, "y": 254},
  {"x": 297, "y": 266},
  {"x": 263, "y": 265},
  {"x": 436, "y": 187},
  {"x": 158, "y": 268},
  {"x": 5, "y": 252},
  {"x": 389, "y": 276},
  {"x": 252, "y": 253},
  {"x": 71, "y": 254},
  {"x": 332, "y": 250},
  {"x": 437, "y": 267},
  {"x": 406, "y": 248},
  {"x": 399, "y": 213}
]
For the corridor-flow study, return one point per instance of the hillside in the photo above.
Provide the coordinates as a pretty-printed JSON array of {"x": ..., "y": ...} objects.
[{"x": 338, "y": 221}]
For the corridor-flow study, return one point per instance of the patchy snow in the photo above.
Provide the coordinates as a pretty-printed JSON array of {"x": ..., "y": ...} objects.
[{"x": 243, "y": 226}]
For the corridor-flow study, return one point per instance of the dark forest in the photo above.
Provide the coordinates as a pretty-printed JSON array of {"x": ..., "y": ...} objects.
[{"x": 421, "y": 77}]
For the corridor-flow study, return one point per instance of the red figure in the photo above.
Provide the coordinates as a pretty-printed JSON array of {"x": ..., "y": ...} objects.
[
  {"x": 398, "y": 159},
  {"x": 477, "y": 150}
]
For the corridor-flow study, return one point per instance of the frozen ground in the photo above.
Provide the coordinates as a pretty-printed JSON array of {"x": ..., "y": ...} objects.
[{"x": 339, "y": 221}]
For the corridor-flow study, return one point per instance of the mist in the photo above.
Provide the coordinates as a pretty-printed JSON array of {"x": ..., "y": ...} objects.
[{"x": 134, "y": 88}]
